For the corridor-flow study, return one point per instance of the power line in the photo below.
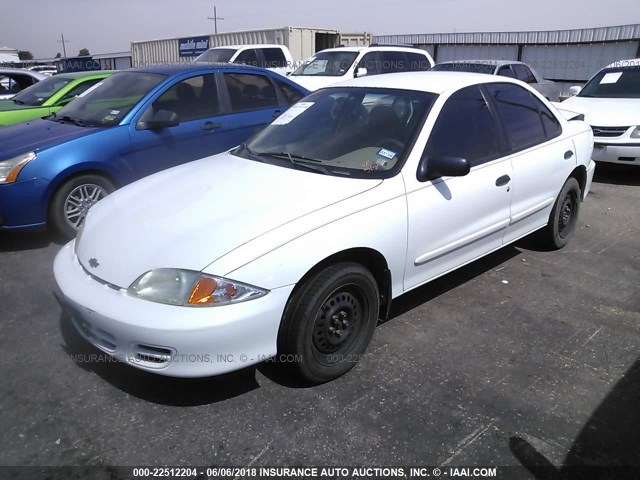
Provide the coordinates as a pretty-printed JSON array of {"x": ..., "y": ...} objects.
[{"x": 215, "y": 19}]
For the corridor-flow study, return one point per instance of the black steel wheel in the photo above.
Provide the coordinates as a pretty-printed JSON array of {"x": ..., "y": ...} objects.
[
  {"x": 329, "y": 322},
  {"x": 564, "y": 216}
]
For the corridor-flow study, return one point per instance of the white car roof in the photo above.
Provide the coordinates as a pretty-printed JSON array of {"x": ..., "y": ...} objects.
[
  {"x": 632, "y": 62},
  {"x": 485, "y": 62},
  {"x": 250, "y": 45},
  {"x": 31, "y": 73},
  {"x": 374, "y": 47},
  {"x": 433, "y": 82}
]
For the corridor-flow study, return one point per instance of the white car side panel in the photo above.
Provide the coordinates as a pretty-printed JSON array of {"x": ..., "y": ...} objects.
[
  {"x": 538, "y": 176},
  {"x": 448, "y": 226}
]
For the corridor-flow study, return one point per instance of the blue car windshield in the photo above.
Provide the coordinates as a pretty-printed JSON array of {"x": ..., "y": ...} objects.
[
  {"x": 39, "y": 93},
  {"x": 107, "y": 103}
]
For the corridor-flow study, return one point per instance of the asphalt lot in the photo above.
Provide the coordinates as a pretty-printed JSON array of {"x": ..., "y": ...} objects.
[{"x": 471, "y": 370}]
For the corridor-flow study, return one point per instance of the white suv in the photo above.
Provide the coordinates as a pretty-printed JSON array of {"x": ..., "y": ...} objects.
[{"x": 343, "y": 63}]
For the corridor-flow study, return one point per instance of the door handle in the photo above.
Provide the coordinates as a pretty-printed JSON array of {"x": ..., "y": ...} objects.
[
  {"x": 503, "y": 180},
  {"x": 568, "y": 154},
  {"x": 210, "y": 126},
  {"x": 277, "y": 113}
]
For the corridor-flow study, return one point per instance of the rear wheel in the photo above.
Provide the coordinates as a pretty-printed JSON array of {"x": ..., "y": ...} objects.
[
  {"x": 329, "y": 322},
  {"x": 564, "y": 216},
  {"x": 73, "y": 200}
]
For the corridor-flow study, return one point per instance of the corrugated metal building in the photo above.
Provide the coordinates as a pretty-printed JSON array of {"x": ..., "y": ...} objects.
[{"x": 561, "y": 55}]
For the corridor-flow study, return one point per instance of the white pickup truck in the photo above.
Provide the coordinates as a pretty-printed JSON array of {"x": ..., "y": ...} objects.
[{"x": 274, "y": 57}]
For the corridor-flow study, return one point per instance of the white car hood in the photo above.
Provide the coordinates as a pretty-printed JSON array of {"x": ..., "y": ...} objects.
[
  {"x": 605, "y": 112},
  {"x": 313, "y": 82},
  {"x": 191, "y": 215}
]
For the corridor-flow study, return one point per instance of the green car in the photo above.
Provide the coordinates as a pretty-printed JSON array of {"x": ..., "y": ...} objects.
[{"x": 48, "y": 96}]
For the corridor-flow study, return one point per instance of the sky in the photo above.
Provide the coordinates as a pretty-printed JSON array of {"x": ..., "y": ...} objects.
[{"x": 106, "y": 26}]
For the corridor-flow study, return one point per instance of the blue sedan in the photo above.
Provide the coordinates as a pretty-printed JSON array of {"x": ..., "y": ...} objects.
[{"x": 130, "y": 125}]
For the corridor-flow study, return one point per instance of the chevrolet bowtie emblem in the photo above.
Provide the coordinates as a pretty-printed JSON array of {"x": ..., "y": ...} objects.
[{"x": 93, "y": 263}]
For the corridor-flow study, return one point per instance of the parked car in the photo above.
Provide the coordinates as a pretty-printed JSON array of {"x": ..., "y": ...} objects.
[
  {"x": 137, "y": 122},
  {"x": 274, "y": 57},
  {"x": 610, "y": 102},
  {"x": 505, "y": 68},
  {"x": 343, "y": 63},
  {"x": 297, "y": 242},
  {"x": 14, "y": 80},
  {"x": 47, "y": 96},
  {"x": 47, "y": 70}
]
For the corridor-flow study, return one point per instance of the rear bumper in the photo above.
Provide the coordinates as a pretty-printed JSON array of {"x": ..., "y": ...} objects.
[{"x": 23, "y": 204}]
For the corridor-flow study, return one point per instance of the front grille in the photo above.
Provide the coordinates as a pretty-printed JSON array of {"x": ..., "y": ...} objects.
[
  {"x": 95, "y": 335},
  {"x": 608, "y": 131}
]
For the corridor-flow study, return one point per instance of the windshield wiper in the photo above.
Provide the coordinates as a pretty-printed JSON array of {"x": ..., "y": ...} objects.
[
  {"x": 19, "y": 102},
  {"x": 299, "y": 161},
  {"x": 67, "y": 118}
]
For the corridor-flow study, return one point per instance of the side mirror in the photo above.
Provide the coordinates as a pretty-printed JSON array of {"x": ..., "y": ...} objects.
[
  {"x": 360, "y": 72},
  {"x": 431, "y": 168},
  {"x": 159, "y": 119},
  {"x": 575, "y": 90}
]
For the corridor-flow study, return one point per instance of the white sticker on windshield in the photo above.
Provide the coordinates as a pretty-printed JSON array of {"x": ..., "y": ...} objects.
[
  {"x": 90, "y": 89},
  {"x": 292, "y": 113},
  {"x": 611, "y": 77},
  {"x": 383, "y": 152},
  {"x": 115, "y": 112}
]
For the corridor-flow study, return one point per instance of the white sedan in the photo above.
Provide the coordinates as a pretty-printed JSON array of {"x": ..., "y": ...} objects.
[
  {"x": 610, "y": 102},
  {"x": 295, "y": 244}
]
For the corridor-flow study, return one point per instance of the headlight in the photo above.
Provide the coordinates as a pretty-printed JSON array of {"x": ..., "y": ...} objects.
[
  {"x": 636, "y": 133},
  {"x": 9, "y": 169},
  {"x": 191, "y": 289}
]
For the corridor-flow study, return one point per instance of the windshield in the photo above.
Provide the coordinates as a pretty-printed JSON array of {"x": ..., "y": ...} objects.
[
  {"x": 330, "y": 64},
  {"x": 362, "y": 132},
  {"x": 614, "y": 83},
  {"x": 110, "y": 100},
  {"x": 39, "y": 93},
  {"x": 471, "y": 67},
  {"x": 217, "y": 55}
]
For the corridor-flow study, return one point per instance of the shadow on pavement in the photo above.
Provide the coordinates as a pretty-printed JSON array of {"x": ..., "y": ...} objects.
[
  {"x": 21, "y": 241},
  {"x": 437, "y": 287},
  {"x": 615, "y": 174},
  {"x": 151, "y": 387},
  {"x": 607, "y": 445}
]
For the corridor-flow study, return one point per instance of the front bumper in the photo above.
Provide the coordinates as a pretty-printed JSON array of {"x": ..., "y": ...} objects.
[
  {"x": 165, "y": 339},
  {"x": 23, "y": 204},
  {"x": 625, "y": 151}
]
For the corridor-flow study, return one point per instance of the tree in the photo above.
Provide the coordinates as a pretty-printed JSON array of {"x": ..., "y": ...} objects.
[
  {"x": 84, "y": 52},
  {"x": 58, "y": 55},
  {"x": 25, "y": 55}
]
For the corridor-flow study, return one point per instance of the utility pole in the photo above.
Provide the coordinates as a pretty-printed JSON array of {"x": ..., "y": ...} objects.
[
  {"x": 215, "y": 19},
  {"x": 64, "y": 48}
]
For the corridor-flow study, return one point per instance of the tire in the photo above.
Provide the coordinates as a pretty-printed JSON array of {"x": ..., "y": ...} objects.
[
  {"x": 79, "y": 193},
  {"x": 329, "y": 322},
  {"x": 564, "y": 216}
]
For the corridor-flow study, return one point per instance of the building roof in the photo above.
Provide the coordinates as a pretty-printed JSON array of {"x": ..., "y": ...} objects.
[{"x": 552, "y": 37}]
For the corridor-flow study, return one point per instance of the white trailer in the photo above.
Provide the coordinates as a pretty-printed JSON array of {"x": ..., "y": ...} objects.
[{"x": 302, "y": 42}]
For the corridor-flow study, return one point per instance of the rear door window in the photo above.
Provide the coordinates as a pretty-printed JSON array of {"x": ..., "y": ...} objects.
[
  {"x": 523, "y": 73},
  {"x": 505, "y": 71},
  {"x": 250, "y": 92},
  {"x": 273, "y": 58}
]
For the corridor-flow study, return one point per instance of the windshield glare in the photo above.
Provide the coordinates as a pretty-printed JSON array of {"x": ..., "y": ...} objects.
[
  {"x": 37, "y": 94},
  {"x": 330, "y": 64},
  {"x": 362, "y": 132},
  {"x": 217, "y": 55},
  {"x": 470, "y": 67},
  {"x": 614, "y": 83},
  {"x": 107, "y": 104}
]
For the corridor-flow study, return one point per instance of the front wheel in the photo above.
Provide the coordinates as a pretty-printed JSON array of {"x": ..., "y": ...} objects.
[
  {"x": 73, "y": 200},
  {"x": 564, "y": 216},
  {"x": 329, "y": 322}
]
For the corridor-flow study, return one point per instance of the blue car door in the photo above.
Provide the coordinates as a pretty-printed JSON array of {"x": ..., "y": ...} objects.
[{"x": 199, "y": 133}]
